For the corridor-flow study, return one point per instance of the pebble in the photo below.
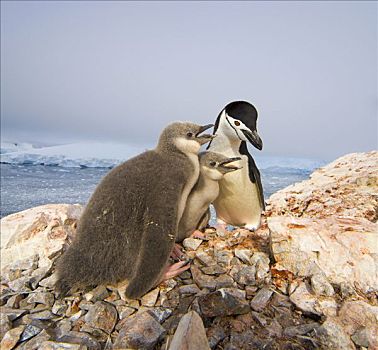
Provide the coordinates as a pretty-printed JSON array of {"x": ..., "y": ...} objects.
[
  {"x": 261, "y": 299},
  {"x": 191, "y": 243},
  {"x": 102, "y": 315}
]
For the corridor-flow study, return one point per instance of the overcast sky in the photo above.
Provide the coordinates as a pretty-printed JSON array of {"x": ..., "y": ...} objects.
[{"x": 121, "y": 71}]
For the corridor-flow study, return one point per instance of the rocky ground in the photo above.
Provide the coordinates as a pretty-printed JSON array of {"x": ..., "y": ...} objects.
[{"x": 307, "y": 279}]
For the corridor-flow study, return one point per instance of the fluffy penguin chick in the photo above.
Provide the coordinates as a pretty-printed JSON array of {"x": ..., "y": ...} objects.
[
  {"x": 129, "y": 227},
  {"x": 213, "y": 167}
]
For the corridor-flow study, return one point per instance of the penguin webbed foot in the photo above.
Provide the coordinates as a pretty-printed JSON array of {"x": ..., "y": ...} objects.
[
  {"x": 175, "y": 270},
  {"x": 177, "y": 253}
]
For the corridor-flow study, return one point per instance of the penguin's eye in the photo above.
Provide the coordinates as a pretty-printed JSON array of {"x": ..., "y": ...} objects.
[
  {"x": 189, "y": 134},
  {"x": 237, "y": 123},
  {"x": 213, "y": 164}
]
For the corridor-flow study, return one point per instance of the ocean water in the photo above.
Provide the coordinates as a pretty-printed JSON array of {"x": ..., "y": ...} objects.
[
  {"x": 24, "y": 186},
  {"x": 35, "y": 175}
]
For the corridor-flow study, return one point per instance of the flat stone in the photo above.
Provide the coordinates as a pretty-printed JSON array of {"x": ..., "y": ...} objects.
[
  {"x": 5, "y": 324},
  {"x": 223, "y": 257},
  {"x": 35, "y": 342},
  {"x": 205, "y": 258},
  {"x": 22, "y": 283},
  {"x": 31, "y": 330},
  {"x": 52, "y": 345},
  {"x": 224, "y": 281},
  {"x": 223, "y": 302},
  {"x": 81, "y": 338},
  {"x": 332, "y": 336},
  {"x": 102, "y": 315},
  {"x": 49, "y": 282},
  {"x": 125, "y": 311},
  {"x": 261, "y": 262},
  {"x": 139, "y": 332},
  {"x": 321, "y": 286},
  {"x": 261, "y": 299},
  {"x": 189, "y": 289},
  {"x": 59, "y": 307},
  {"x": 191, "y": 243},
  {"x": 213, "y": 270},
  {"x": 202, "y": 280},
  {"x": 215, "y": 334},
  {"x": 362, "y": 338},
  {"x": 301, "y": 329},
  {"x": 14, "y": 301},
  {"x": 11, "y": 338},
  {"x": 312, "y": 304},
  {"x": 12, "y": 313},
  {"x": 45, "y": 298},
  {"x": 42, "y": 315},
  {"x": 243, "y": 274},
  {"x": 244, "y": 255},
  {"x": 160, "y": 313},
  {"x": 150, "y": 298},
  {"x": 190, "y": 334},
  {"x": 343, "y": 249},
  {"x": 97, "y": 294}
]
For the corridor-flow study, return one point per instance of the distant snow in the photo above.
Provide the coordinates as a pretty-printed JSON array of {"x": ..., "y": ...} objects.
[
  {"x": 101, "y": 155},
  {"x": 106, "y": 155}
]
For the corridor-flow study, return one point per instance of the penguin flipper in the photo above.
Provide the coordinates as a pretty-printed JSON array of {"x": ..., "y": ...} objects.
[
  {"x": 259, "y": 187},
  {"x": 160, "y": 230}
]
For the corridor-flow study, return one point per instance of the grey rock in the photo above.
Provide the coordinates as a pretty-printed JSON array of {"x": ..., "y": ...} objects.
[
  {"x": 213, "y": 270},
  {"x": 261, "y": 299},
  {"x": 139, "y": 332},
  {"x": 332, "y": 336},
  {"x": 11, "y": 338},
  {"x": 22, "y": 283},
  {"x": 261, "y": 262},
  {"x": 311, "y": 304},
  {"x": 150, "y": 298},
  {"x": 35, "y": 342},
  {"x": 260, "y": 318},
  {"x": 45, "y": 298},
  {"x": 215, "y": 335},
  {"x": 361, "y": 337},
  {"x": 81, "y": 338},
  {"x": 31, "y": 330},
  {"x": 190, "y": 334},
  {"x": 125, "y": 311},
  {"x": 97, "y": 294},
  {"x": 191, "y": 243},
  {"x": 14, "y": 301},
  {"x": 12, "y": 313},
  {"x": 301, "y": 329},
  {"x": 98, "y": 334},
  {"x": 52, "y": 345},
  {"x": 30, "y": 263},
  {"x": 243, "y": 274},
  {"x": 5, "y": 324},
  {"x": 189, "y": 289},
  {"x": 224, "y": 281},
  {"x": 49, "y": 282},
  {"x": 205, "y": 258},
  {"x": 223, "y": 302},
  {"x": 202, "y": 280},
  {"x": 223, "y": 257},
  {"x": 59, "y": 307},
  {"x": 244, "y": 255},
  {"x": 102, "y": 315},
  {"x": 160, "y": 313},
  {"x": 250, "y": 291},
  {"x": 321, "y": 286},
  {"x": 42, "y": 315}
]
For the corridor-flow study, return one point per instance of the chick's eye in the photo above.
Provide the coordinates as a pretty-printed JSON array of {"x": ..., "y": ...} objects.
[
  {"x": 213, "y": 164},
  {"x": 189, "y": 134},
  {"x": 236, "y": 123}
]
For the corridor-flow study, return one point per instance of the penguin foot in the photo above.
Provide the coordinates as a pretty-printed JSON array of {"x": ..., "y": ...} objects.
[
  {"x": 197, "y": 234},
  {"x": 252, "y": 228},
  {"x": 175, "y": 269},
  {"x": 177, "y": 253}
]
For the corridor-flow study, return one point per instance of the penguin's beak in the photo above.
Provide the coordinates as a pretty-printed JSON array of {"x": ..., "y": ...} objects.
[
  {"x": 202, "y": 139},
  {"x": 254, "y": 138},
  {"x": 225, "y": 168}
]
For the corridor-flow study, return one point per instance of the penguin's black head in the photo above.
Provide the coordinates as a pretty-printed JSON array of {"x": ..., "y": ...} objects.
[{"x": 238, "y": 121}]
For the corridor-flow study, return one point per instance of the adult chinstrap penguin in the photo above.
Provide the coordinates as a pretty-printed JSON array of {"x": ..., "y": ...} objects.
[
  {"x": 129, "y": 227},
  {"x": 213, "y": 167},
  {"x": 241, "y": 199}
]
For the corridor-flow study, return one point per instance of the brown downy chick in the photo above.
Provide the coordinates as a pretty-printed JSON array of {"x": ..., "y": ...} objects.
[
  {"x": 213, "y": 167},
  {"x": 129, "y": 227}
]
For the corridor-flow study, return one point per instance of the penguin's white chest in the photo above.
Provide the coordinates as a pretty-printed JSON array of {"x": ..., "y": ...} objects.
[{"x": 238, "y": 202}]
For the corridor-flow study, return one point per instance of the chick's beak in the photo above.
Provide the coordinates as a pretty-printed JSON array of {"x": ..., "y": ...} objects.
[
  {"x": 204, "y": 138},
  {"x": 228, "y": 168}
]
